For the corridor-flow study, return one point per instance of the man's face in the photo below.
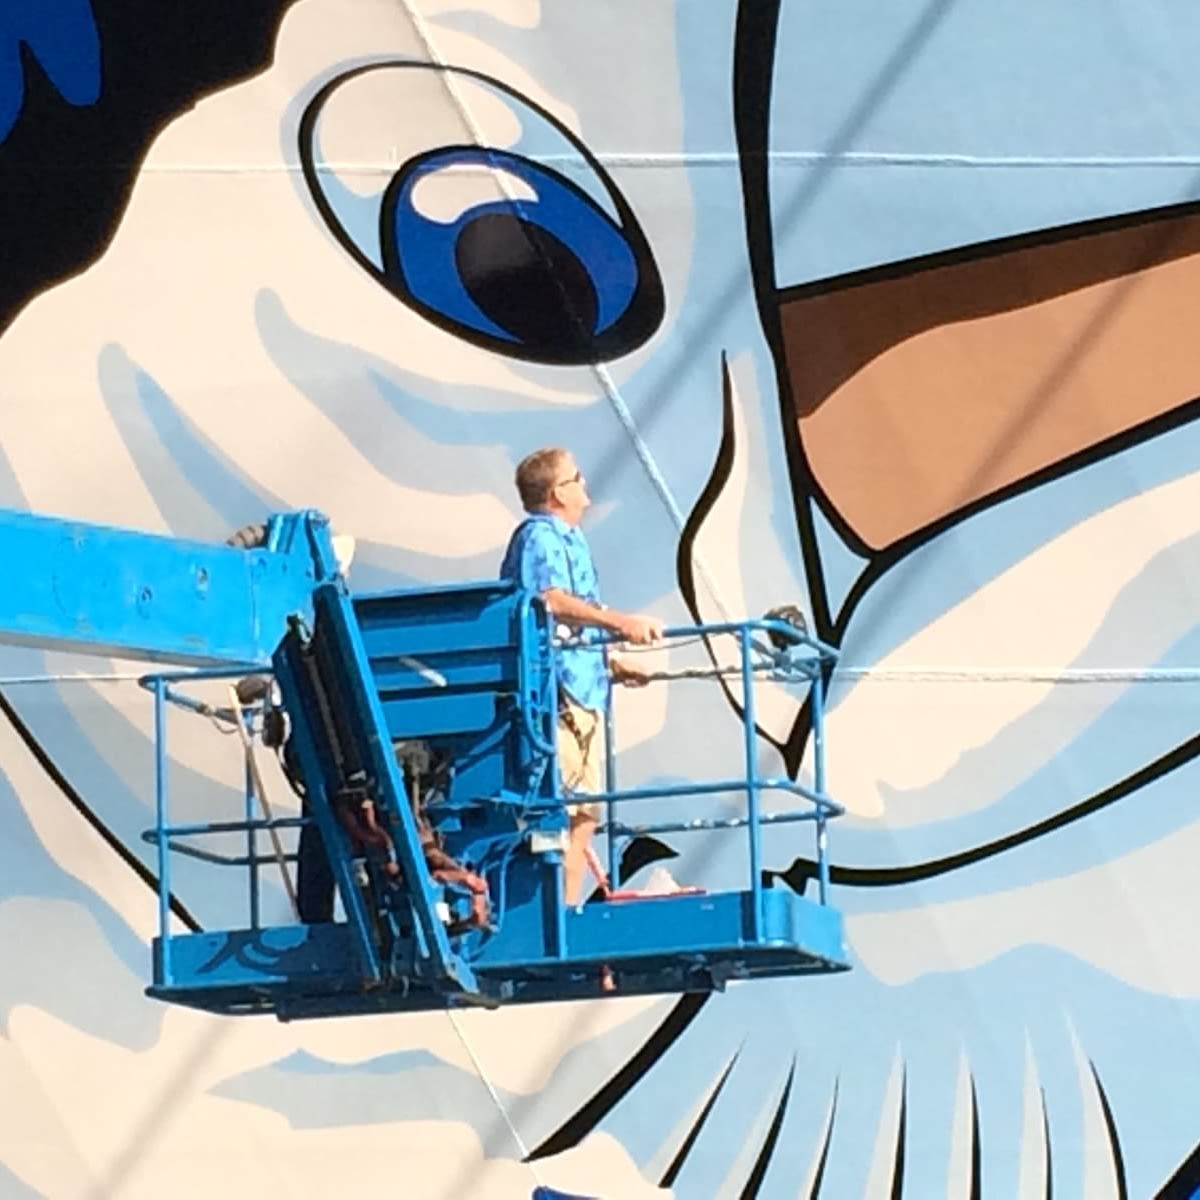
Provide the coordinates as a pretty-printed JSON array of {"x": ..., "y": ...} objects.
[{"x": 571, "y": 491}]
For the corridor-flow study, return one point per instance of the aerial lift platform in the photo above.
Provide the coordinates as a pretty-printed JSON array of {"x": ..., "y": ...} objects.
[{"x": 414, "y": 718}]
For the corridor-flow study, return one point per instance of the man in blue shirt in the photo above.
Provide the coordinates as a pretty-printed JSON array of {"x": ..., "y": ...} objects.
[{"x": 549, "y": 554}]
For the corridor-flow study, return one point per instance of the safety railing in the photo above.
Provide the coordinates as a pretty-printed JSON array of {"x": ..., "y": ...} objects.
[
  {"x": 181, "y": 839},
  {"x": 768, "y": 650}
]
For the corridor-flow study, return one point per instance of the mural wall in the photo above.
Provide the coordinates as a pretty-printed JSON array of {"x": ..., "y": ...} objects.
[{"x": 880, "y": 310}]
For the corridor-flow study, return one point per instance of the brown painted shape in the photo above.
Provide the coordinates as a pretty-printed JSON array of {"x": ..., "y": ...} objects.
[{"x": 918, "y": 393}]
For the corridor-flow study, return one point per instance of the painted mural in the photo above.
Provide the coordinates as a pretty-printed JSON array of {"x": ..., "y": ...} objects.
[{"x": 878, "y": 310}]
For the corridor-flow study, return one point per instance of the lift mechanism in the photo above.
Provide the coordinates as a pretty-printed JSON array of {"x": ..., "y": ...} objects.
[{"x": 431, "y": 712}]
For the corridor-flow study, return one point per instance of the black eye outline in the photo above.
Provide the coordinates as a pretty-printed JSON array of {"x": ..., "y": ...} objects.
[{"x": 577, "y": 333}]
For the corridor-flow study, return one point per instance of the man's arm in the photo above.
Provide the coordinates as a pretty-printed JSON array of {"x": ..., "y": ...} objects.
[{"x": 633, "y": 627}]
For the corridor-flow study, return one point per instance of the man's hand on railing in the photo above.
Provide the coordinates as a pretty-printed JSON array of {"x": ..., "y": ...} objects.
[{"x": 628, "y": 673}]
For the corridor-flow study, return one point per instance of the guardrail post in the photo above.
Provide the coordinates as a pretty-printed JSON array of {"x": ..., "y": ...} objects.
[
  {"x": 251, "y": 841},
  {"x": 610, "y": 786},
  {"x": 163, "y": 966},
  {"x": 817, "y": 696},
  {"x": 752, "y": 814}
]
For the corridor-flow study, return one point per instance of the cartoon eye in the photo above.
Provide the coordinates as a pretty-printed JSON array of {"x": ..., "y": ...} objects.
[{"x": 480, "y": 211}]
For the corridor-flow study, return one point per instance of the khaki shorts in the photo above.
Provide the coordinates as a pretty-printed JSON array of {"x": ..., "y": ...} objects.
[{"x": 581, "y": 758}]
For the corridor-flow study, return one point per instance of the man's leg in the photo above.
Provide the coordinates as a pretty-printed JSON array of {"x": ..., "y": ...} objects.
[
  {"x": 580, "y": 753},
  {"x": 583, "y": 826}
]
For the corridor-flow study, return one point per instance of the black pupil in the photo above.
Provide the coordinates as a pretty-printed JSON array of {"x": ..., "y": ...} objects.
[{"x": 527, "y": 281}]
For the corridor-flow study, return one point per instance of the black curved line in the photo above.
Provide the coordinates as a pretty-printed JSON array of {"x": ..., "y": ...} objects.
[
  {"x": 1114, "y": 1138},
  {"x": 976, "y": 251},
  {"x": 718, "y": 477},
  {"x": 803, "y": 869},
  {"x": 642, "y": 315},
  {"x": 901, "y": 1138},
  {"x": 879, "y": 562},
  {"x": 757, "y": 29},
  {"x": 640, "y": 852},
  {"x": 976, "y": 1149},
  {"x": 1185, "y": 1180},
  {"x": 796, "y": 741},
  {"x": 1049, "y": 1158},
  {"x": 815, "y": 1191},
  {"x": 755, "y": 33},
  {"x": 992, "y": 248},
  {"x": 81, "y": 806},
  {"x": 670, "y": 1174},
  {"x": 308, "y": 121},
  {"x": 1184, "y": 1183},
  {"x": 1138, "y": 434},
  {"x": 752, "y": 121},
  {"x": 753, "y": 77},
  {"x": 753, "y": 74},
  {"x": 763, "y": 1161},
  {"x": 648, "y": 293},
  {"x": 591, "y": 1113},
  {"x": 684, "y": 560}
]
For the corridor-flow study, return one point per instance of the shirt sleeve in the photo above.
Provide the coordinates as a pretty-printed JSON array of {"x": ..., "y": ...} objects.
[{"x": 542, "y": 561}]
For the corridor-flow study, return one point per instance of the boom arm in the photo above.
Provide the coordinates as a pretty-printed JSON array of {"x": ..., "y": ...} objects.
[{"x": 96, "y": 589}]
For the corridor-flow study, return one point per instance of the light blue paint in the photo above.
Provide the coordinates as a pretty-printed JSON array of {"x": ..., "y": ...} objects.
[
  {"x": 953, "y": 566},
  {"x": 192, "y": 481},
  {"x": 471, "y": 440},
  {"x": 358, "y": 215},
  {"x": 1133, "y": 725},
  {"x": 203, "y": 493},
  {"x": 311, "y": 1093},
  {"x": 841, "y": 568},
  {"x": 851, "y": 1029},
  {"x": 115, "y": 961},
  {"x": 947, "y": 93},
  {"x": 13, "y": 1188}
]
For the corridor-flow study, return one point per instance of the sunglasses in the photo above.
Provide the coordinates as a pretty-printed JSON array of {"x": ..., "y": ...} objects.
[{"x": 576, "y": 478}]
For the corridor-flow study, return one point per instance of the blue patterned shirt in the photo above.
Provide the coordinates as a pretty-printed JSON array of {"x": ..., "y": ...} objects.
[{"x": 545, "y": 552}]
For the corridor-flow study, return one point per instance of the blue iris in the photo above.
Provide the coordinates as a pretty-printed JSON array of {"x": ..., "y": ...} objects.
[
  {"x": 549, "y": 275},
  {"x": 62, "y": 37}
]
